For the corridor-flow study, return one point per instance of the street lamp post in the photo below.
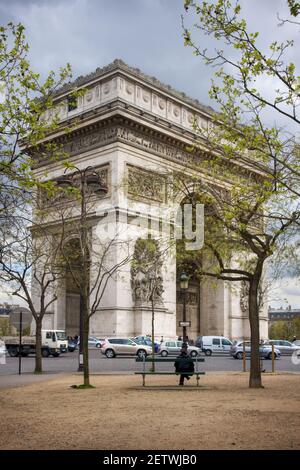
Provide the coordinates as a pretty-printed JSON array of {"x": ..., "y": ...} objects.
[
  {"x": 88, "y": 179},
  {"x": 184, "y": 284}
]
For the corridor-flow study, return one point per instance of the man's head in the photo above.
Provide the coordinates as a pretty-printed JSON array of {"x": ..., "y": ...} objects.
[{"x": 184, "y": 348}]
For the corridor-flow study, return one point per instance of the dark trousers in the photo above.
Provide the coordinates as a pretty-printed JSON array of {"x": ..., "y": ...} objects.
[{"x": 182, "y": 377}]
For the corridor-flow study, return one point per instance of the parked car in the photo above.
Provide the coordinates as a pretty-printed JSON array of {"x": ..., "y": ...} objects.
[
  {"x": 285, "y": 347},
  {"x": 72, "y": 345},
  {"x": 173, "y": 348},
  {"x": 214, "y": 344},
  {"x": 93, "y": 341},
  {"x": 124, "y": 346},
  {"x": 146, "y": 340},
  {"x": 265, "y": 350}
]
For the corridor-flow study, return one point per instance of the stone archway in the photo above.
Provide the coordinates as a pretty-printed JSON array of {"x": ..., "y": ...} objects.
[
  {"x": 187, "y": 262},
  {"x": 205, "y": 297},
  {"x": 72, "y": 306},
  {"x": 72, "y": 253},
  {"x": 193, "y": 308}
]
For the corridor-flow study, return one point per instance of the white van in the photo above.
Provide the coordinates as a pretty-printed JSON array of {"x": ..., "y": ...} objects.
[{"x": 214, "y": 344}]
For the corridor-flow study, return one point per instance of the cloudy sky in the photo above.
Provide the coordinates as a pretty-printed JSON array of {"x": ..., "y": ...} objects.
[{"x": 144, "y": 33}]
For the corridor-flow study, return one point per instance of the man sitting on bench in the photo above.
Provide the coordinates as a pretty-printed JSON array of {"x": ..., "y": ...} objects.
[{"x": 183, "y": 363}]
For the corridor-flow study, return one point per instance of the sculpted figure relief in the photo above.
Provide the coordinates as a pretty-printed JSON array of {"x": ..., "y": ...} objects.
[{"x": 146, "y": 274}]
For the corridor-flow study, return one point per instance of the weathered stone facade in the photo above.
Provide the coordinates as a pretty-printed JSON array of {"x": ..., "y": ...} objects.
[{"x": 135, "y": 130}]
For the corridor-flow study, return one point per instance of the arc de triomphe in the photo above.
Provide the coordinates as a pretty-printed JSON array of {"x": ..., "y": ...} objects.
[{"x": 130, "y": 127}]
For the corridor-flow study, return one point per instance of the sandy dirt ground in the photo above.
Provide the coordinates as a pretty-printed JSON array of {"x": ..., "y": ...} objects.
[{"x": 223, "y": 413}]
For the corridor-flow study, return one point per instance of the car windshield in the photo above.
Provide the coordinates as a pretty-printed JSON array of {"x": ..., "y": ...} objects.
[{"x": 61, "y": 335}]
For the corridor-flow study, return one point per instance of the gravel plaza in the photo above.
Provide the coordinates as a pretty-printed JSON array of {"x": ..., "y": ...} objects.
[{"x": 119, "y": 414}]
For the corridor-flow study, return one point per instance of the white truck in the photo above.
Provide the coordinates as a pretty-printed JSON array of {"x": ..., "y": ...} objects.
[{"x": 54, "y": 342}]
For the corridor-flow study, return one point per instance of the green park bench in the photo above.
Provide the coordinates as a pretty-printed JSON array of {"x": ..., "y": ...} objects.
[{"x": 150, "y": 360}]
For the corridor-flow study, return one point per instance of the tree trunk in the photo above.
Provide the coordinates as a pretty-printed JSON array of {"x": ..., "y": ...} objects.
[
  {"x": 85, "y": 342},
  {"x": 255, "y": 371},
  {"x": 38, "y": 346}
]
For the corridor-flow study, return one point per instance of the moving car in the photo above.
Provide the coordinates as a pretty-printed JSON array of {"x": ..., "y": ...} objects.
[
  {"x": 285, "y": 347},
  {"x": 214, "y": 344},
  {"x": 146, "y": 340},
  {"x": 173, "y": 348},
  {"x": 93, "y": 342},
  {"x": 113, "y": 347},
  {"x": 265, "y": 350}
]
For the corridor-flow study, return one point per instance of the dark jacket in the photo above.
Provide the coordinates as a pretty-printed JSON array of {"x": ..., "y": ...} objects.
[{"x": 184, "y": 363}]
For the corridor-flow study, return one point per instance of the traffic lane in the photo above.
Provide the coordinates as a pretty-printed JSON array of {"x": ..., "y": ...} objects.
[{"x": 68, "y": 362}]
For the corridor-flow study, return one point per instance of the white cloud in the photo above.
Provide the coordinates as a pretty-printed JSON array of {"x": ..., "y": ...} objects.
[{"x": 285, "y": 292}]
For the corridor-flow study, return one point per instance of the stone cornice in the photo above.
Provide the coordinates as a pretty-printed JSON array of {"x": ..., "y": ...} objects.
[
  {"x": 120, "y": 82},
  {"x": 120, "y": 65}
]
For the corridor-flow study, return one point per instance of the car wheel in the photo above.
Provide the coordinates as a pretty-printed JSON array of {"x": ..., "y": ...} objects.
[
  {"x": 98, "y": 345},
  {"x": 194, "y": 354},
  {"x": 55, "y": 354},
  {"x": 45, "y": 353},
  {"x": 208, "y": 352},
  {"x": 109, "y": 353},
  {"x": 13, "y": 352},
  {"x": 239, "y": 355},
  {"x": 269, "y": 356},
  {"x": 164, "y": 353},
  {"x": 141, "y": 353}
]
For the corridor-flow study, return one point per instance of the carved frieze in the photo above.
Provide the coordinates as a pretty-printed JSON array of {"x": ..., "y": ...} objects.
[
  {"x": 100, "y": 137},
  {"x": 81, "y": 143},
  {"x": 144, "y": 184},
  {"x": 76, "y": 144},
  {"x": 153, "y": 144}
]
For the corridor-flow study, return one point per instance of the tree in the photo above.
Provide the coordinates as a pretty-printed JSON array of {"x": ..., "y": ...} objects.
[
  {"x": 285, "y": 329},
  {"x": 241, "y": 66},
  {"x": 24, "y": 98},
  {"x": 252, "y": 213},
  {"x": 93, "y": 251},
  {"x": 29, "y": 265}
]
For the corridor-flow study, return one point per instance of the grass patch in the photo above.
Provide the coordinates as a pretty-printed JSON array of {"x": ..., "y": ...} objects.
[{"x": 82, "y": 386}]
